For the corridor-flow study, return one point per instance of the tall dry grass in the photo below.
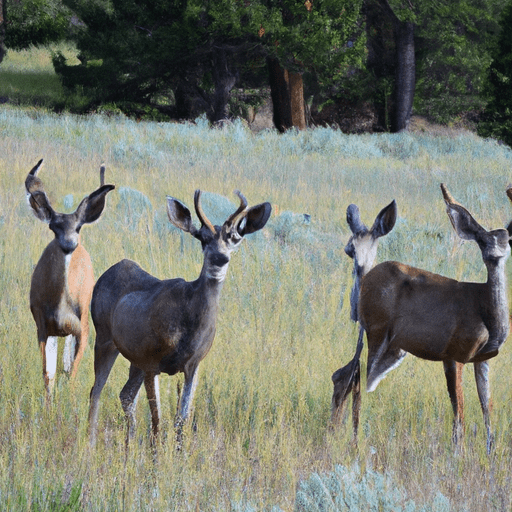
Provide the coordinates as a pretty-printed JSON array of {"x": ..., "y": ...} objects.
[{"x": 263, "y": 401}]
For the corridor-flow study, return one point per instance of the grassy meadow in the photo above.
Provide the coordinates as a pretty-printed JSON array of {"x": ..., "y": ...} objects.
[{"x": 259, "y": 439}]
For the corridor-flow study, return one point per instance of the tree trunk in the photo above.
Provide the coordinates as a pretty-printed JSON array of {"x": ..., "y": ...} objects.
[
  {"x": 224, "y": 80},
  {"x": 2, "y": 30},
  {"x": 405, "y": 76},
  {"x": 296, "y": 88},
  {"x": 405, "y": 68},
  {"x": 287, "y": 92}
]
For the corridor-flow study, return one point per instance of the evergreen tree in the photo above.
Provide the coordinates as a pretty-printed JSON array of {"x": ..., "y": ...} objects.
[
  {"x": 192, "y": 52},
  {"x": 497, "y": 121},
  {"x": 34, "y": 22},
  {"x": 433, "y": 53}
]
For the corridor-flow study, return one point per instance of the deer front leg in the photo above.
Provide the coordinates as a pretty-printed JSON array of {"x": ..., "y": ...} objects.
[
  {"x": 82, "y": 343},
  {"x": 153, "y": 392},
  {"x": 343, "y": 383},
  {"x": 453, "y": 374},
  {"x": 49, "y": 350},
  {"x": 185, "y": 403},
  {"x": 356, "y": 400},
  {"x": 484, "y": 394},
  {"x": 68, "y": 356}
]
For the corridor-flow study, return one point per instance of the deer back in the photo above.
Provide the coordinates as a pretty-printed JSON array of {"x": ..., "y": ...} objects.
[{"x": 428, "y": 315}]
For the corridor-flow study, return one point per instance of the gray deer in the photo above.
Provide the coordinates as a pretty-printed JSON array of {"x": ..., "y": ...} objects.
[{"x": 164, "y": 326}]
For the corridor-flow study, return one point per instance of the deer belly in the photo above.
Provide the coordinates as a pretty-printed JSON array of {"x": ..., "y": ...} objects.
[
  {"x": 62, "y": 322},
  {"x": 136, "y": 335}
]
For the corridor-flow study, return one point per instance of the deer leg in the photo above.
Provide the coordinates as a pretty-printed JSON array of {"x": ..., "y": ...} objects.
[
  {"x": 153, "y": 392},
  {"x": 453, "y": 374},
  {"x": 49, "y": 350},
  {"x": 356, "y": 400},
  {"x": 68, "y": 355},
  {"x": 342, "y": 380},
  {"x": 382, "y": 358},
  {"x": 104, "y": 358},
  {"x": 82, "y": 343},
  {"x": 185, "y": 403},
  {"x": 128, "y": 397},
  {"x": 484, "y": 394}
]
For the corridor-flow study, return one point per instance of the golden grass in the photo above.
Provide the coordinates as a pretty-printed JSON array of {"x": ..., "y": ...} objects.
[{"x": 263, "y": 401}]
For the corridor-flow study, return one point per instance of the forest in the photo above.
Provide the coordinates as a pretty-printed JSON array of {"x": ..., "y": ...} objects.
[{"x": 361, "y": 66}]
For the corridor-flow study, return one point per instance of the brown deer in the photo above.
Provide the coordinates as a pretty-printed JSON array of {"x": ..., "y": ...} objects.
[
  {"x": 62, "y": 282},
  {"x": 362, "y": 248},
  {"x": 164, "y": 326},
  {"x": 405, "y": 309}
]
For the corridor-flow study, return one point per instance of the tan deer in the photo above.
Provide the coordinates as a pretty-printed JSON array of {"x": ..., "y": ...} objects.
[
  {"x": 62, "y": 282},
  {"x": 408, "y": 310},
  {"x": 164, "y": 326},
  {"x": 362, "y": 248}
]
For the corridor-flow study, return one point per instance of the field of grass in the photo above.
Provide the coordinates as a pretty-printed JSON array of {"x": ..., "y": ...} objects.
[
  {"x": 27, "y": 77},
  {"x": 260, "y": 439}
]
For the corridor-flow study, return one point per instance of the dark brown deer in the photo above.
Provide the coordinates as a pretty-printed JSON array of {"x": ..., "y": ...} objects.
[
  {"x": 404, "y": 309},
  {"x": 362, "y": 248},
  {"x": 164, "y": 326},
  {"x": 63, "y": 279}
]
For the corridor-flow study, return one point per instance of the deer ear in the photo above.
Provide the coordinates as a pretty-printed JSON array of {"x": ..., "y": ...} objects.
[
  {"x": 256, "y": 218},
  {"x": 179, "y": 215},
  {"x": 463, "y": 222},
  {"x": 91, "y": 207},
  {"x": 36, "y": 195},
  {"x": 385, "y": 220},
  {"x": 40, "y": 205},
  {"x": 354, "y": 219}
]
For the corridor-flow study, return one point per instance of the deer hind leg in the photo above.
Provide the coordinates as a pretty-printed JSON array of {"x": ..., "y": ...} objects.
[
  {"x": 128, "y": 397},
  {"x": 49, "y": 350},
  {"x": 105, "y": 356},
  {"x": 484, "y": 394},
  {"x": 453, "y": 373},
  {"x": 382, "y": 358},
  {"x": 153, "y": 392}
]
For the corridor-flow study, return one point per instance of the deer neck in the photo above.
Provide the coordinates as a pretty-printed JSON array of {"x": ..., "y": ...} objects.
[
  {"x": 498, "y": 299},
  {"x": 354, "y": 294},
  {"x": 57, "y": 266},
  {"x": 214, "y": 269}
]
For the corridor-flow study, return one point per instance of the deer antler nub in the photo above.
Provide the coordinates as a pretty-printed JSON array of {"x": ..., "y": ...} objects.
[
  {"x": 240, "y": 209},
  {"x": 199, "y": 211}
]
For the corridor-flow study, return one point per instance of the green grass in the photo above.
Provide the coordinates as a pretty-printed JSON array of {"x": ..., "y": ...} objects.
[
  {"x": 262, "y": 405},
  {"x": 27, "y": 77}
]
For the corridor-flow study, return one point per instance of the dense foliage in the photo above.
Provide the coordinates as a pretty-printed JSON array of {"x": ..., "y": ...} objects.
[
  {"x": 181, "y": 58},
  {"x": 453, "y": 55},
  {"x": 187, "y": 53},
  {"x": 498, "y": 115},
  {"x": 35, "y": 22}
]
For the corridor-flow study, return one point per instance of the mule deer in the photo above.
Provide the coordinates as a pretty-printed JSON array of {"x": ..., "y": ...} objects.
[
  {"x": 405, "y": 309},
  {"x": 362, "y": 248},
  {"x": 63, "y": 279},
  {"x": 164, "y": 326}
]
